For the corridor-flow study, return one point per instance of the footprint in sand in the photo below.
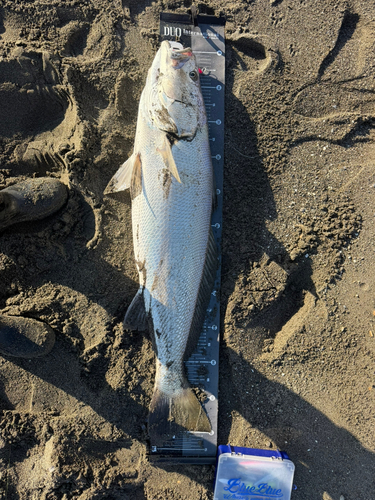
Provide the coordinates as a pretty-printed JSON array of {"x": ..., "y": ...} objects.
[
  {"x": 25, "y": 337},
  {"x": 39, "y": 125},
  {"x": 348, "y": 116},
  {"x": 253, "y": 53},
  {"x": 39, "y": 120}
]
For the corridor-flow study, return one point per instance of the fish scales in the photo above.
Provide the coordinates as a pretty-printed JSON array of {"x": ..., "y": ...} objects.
[
  {"x": 172, "y": 245},
  {"x": 171, "y": 181}
]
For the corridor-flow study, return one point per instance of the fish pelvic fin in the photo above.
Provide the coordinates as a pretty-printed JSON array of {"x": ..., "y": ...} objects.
[
  {"x": 124, "y": 177},
  {"x": 166, "y": 152},
  {"x": 170, "y": 414}
]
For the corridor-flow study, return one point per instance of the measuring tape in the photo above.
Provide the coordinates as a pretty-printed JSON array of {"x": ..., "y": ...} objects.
[{"x": 205, "y": 35}]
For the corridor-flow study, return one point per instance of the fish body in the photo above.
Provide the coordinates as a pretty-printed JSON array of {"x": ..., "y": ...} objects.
[{"x": 171, "y": 183}]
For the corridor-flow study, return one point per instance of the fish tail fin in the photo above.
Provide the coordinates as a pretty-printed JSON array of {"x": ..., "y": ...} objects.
[{"x": 172, "y": 414}]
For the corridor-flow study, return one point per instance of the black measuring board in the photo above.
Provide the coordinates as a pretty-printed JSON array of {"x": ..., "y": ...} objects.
[{"x": 205, "y": 36}]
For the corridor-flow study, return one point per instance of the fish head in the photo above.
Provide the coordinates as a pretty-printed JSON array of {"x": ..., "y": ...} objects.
[{"x": 176, "y": 104}]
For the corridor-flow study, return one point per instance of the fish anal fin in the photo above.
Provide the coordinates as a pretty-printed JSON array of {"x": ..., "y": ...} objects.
[
  {"x": 172, "y": 414},
  {"x": 166, "y": 152},
  {"x": 122, "y": 178},
  {"x": 136, "y": 317}
]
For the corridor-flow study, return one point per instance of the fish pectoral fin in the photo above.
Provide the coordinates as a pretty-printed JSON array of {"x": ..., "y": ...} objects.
[
  {"x": 136, "y": 181},
  {"x": 123, "y": 177},
  {"x": 166, "y": 152},
  {"x": 136, "y": 315},
  {"x": 169, "y": 415}
]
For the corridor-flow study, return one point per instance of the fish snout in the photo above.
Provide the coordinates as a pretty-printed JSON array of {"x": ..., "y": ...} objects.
[{"x": 173, "y": 55}]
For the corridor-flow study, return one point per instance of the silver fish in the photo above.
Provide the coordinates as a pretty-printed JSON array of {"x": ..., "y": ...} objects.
[{"x": 170, "y": 178}]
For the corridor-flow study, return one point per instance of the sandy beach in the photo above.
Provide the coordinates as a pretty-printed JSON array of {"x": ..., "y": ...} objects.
[{"x": 297, "y": 339}]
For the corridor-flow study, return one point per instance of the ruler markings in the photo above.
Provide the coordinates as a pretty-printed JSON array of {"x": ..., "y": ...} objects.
[{"x": 202, "y": 366}]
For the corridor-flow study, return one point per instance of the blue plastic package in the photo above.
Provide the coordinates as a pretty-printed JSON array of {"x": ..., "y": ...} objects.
[{"x": 252, "y": 474}]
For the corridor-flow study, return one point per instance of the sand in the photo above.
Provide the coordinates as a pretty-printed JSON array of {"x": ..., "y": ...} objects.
[{"x": 298, "y": 325}]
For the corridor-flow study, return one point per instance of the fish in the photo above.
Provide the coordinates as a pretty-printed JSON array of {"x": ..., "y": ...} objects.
[{"x": 171, "y": 183}]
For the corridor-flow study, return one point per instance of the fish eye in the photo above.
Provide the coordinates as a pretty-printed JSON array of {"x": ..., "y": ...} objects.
[{"x": 193, "y": 75}]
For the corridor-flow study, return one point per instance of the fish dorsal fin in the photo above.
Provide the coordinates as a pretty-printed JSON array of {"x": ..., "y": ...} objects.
[
  {"x": 204, "y": 294},
  {"x": 166, "y": 152},
  {"x": 123, "y": 177}
]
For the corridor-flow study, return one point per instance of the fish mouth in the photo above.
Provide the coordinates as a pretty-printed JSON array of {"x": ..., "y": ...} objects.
[
  {"x": 176, "y": 54},
  {"x": 174, "y": 57},
  {"x": 179, "y": 56}
]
